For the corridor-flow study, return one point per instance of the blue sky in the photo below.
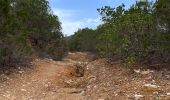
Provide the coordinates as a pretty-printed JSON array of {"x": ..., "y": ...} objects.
[{"x": 75, "y": 14}]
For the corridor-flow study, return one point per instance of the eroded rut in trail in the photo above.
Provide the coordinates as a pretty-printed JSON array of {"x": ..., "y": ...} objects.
[{"x": 49, "y": 80}]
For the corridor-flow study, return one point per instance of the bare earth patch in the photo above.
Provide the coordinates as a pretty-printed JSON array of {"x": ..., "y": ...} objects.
[{"x": 80, "y": 76}]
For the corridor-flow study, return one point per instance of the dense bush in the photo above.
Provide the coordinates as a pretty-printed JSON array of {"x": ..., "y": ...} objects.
[
  {"x": 83, "y": 40},
  {"x": 28, "y": 26},
  {"x": 137, "y": 33},
  {"x": 140, "y": 33}
]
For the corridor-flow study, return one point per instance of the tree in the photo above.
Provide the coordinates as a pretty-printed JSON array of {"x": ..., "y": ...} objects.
[
  {"x": 83, "y": 40},
  {"x": 140, "y": 33},
  {"x": 28, "y": 26},
  {"x": 134, "y": 33}
]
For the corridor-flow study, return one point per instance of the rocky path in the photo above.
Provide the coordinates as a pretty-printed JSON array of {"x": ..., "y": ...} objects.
[
  {"x": 80, "y": 76},
  {"x": 49, "y": 80}
]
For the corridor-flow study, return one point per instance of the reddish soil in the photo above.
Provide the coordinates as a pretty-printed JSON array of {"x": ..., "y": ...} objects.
[{"x": 100, "y": 80}]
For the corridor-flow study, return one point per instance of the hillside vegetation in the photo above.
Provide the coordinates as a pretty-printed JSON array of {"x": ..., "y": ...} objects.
[
  {"x": 138, "y": 34},
  {"x": 26, "y": 27}
]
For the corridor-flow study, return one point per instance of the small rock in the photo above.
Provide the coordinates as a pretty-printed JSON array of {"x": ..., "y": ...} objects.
[
  {"x": 24, "y": 90},
  {"x": 8, "y": 95},
  {"x": 168, "y": 94},
  {"x": 50, "y": 59},
  {"x": 69, "y": 81},
  {"x": 28, "y": 83},
  {"x": 20, "y": 72},
  {"x": 95, "y": 86},
  {"x": 137, "y": 97},
  {"x": 46, "y": 85},
  {"x": 7, "y": 77},
  {"x": 82, "y": 92},
  {"x": 37, "y": 59},
  {"x": 150, "y": 89},
  {"x": 149, "y": 78},
  {"x": 150, "y": 85},
  {"x": 137, "y": 70},
  {"x": 147, "y": 72},
  {"x": 101, "y": 99},
  {"x": 155, "y": 93}
]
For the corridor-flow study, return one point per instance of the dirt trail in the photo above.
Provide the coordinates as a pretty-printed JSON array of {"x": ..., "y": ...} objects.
[
  {"x": 80, "y": 76},
  {"x": 48, "y": 80}
]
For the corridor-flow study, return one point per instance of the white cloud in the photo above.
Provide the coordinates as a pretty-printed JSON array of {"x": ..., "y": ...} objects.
[
  {"x": 70, "y": 25},
  {"x": 90, "y": 20},
  {"x": 62, "y": 13}
]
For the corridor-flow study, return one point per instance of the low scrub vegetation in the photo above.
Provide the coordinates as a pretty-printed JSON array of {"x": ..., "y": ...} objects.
[{"x": 138, "y": 34}]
